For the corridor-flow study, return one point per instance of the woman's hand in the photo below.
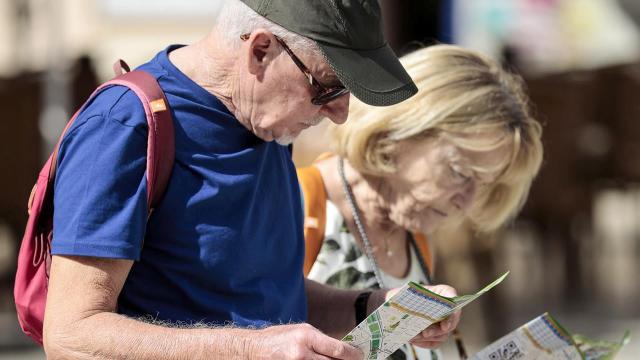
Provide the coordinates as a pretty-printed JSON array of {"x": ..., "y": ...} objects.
[{"x": 436, "y": 334}]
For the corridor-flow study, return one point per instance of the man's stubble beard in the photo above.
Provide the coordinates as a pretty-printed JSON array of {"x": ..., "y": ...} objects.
[{"x": 287, "y": 138}]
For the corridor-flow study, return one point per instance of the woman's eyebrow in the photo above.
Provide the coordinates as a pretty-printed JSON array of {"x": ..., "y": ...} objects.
[{"x": 487, "y": 175}]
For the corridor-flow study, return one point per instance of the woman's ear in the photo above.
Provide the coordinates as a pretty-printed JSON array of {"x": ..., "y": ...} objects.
[{"x": 260, "y": 50}]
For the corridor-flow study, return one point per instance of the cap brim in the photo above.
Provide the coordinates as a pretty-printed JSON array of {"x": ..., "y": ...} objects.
[{"x": 375, "y": 77}]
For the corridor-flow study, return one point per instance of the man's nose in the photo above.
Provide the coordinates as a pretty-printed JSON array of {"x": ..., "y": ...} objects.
[{"x": 337, "y": 110}]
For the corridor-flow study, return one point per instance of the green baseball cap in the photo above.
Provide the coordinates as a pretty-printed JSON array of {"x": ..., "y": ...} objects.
[{"x": 349, "y": 34}]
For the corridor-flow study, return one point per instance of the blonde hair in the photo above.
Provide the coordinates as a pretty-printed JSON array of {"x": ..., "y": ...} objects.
[{"x": 460, "y": 93}]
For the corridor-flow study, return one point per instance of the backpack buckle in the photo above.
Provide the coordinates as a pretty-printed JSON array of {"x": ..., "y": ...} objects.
[{"x": 157, "y": 105}]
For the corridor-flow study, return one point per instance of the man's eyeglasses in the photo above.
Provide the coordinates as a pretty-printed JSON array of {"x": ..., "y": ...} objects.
[{"x": 324, "y": 94}]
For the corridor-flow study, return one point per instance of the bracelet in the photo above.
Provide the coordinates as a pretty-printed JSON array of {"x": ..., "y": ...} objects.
[{"x": 360, "y": 306}]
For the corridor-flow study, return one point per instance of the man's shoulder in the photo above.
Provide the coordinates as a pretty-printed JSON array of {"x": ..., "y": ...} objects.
[
  {"x": 115, "y": 103},
  {"x": 120, "y": 103}
]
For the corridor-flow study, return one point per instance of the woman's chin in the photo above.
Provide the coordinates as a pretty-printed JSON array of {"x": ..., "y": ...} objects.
[{"x": 414, "y": 225}]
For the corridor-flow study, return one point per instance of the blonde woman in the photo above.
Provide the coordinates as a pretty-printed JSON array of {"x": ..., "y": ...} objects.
[{"x": 464, "y": 149}]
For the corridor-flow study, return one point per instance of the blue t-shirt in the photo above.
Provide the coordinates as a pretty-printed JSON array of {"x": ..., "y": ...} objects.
[{"x": 225, "y": 244}]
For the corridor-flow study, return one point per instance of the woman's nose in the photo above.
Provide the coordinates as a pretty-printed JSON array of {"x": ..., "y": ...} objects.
[{"x": 463, "y": 198}]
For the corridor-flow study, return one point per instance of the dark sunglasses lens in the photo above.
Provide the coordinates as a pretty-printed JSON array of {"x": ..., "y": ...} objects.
[{"x": 328, "y": 96}]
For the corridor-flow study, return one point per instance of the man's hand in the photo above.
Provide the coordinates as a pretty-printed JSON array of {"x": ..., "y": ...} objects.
[
  {"x": 436, "y": 334},
  {"x": 301, "y": 341}
]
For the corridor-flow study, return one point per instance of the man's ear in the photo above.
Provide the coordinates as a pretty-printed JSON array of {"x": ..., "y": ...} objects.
[{"x": 260, "y": 51}]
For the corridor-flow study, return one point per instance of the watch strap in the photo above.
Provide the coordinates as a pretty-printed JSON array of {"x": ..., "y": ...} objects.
[{"x": 360, "y": 306}]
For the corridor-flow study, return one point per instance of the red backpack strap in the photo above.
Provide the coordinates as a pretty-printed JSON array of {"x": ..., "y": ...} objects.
[
  {"x": 315, "y": 208},
  {"x": 161, "y": 139}
]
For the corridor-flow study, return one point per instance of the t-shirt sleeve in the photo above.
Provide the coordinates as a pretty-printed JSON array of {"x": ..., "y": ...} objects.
[{"x": 100, "y": 206}]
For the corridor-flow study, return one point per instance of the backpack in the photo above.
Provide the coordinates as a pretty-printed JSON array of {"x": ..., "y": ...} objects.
[
  {"x": 34, "y": 259},
  {"x": 315, "y": 208}
]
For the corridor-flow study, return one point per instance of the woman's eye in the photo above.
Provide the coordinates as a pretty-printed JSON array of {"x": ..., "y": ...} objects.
[{"x": 458, "y": 174}]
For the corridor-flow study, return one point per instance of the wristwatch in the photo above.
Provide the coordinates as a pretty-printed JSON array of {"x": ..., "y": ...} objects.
[{"x": 360, "y": 306}]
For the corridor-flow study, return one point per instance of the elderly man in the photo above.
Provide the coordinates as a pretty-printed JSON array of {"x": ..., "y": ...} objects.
[{"x": 220, "y": 272}]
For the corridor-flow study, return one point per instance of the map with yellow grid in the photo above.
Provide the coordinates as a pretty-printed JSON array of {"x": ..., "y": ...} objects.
[
  {"x": 404, "y": 316},
  {"x": 543, "y": 338}
]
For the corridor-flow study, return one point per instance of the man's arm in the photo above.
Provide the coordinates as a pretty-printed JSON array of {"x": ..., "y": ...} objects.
[{"x": 81, "y": 323}]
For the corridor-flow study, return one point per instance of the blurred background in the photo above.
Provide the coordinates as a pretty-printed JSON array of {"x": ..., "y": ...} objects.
[{"x": 573, "y": 252}]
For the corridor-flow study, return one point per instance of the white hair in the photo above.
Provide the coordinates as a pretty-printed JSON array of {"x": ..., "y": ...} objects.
[{"x": 235, "y": 19}]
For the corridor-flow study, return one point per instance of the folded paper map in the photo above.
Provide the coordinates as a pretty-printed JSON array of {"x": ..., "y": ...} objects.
[
  {"x": 405, "y": 315},
  {"x": 544, "y": 339}
]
